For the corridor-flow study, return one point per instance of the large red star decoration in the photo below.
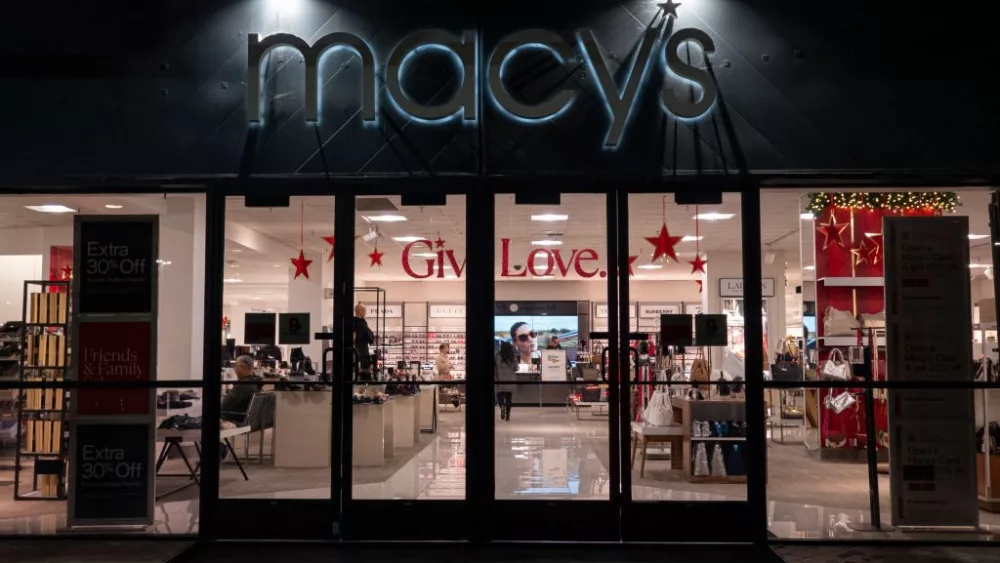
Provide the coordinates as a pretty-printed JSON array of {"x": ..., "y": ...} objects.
[
  {"x": 439, "y": 243},
  {"x": 67, "y": 272},
  {"x": 861, "y": 254},
  {"x": 832, "y": 231},
  {"x": 698, "y": 264},
  {"x": 663, "y": 244},
  {"x": 376, "y": 258},
  {"x": 301, "y": 266},
  {"x": 333, "y": 246}
]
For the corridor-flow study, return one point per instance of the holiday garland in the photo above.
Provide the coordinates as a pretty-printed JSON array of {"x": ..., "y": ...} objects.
[{"x": 944, "y": 202}]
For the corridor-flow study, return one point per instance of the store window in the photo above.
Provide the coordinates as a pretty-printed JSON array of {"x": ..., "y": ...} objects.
[
  {"x": 882, "y": 287},
  {"x": 141, "y": 294},
  {"x": 549, "y": 313},
  {"x": 687, "y": 380},
  {"x": 277, "y": 406},
  {"x": 409, "y": 411}
]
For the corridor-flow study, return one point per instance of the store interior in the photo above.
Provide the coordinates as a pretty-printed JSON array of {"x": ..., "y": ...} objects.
[{"x": 550, "y": 285}]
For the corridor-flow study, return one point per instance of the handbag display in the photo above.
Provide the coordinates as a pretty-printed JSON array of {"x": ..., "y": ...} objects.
[
  {"x": 658, "y": 411},
  {"x": 700, "y": 370},
  {"x": 835, "y": 367},
  {"x": 786, "y": 367},
  {"x": 873, "y": 320},
  {"x": 841, "y": 402},
  {"x": 701, "y": 460},
  {"x": 718, "y": 463},
  {"x": 839, "y": 323}
]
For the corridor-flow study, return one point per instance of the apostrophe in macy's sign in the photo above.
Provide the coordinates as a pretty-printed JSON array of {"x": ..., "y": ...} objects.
[
  {"x": 540, "y": 261},
  {"x": 656, "y": 46}
]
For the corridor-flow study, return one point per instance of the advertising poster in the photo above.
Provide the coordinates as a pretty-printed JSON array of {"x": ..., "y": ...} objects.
[
  {"x": 111, "y": 476},
  {"x": 114, "y": 351},
  {"x": 928, "y": 322},
  {"x": 117, "y": 265},
  {"x": 293, "y": 328}
]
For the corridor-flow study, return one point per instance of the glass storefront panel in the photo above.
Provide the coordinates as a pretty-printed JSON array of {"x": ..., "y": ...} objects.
[
  {"x": 409, "y": 401},
  {"x": 277, "y": 404},
  {"x": 831, "y": 448},
  {"x": 688, "y": 422},
  {"x": 38, "y": 322},
  {"x": 551, "y": 300}
]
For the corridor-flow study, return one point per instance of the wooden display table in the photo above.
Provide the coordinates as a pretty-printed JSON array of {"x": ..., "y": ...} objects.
[
  {"x": 673, "y": 435},
  {"x": 687, "y": 411}
]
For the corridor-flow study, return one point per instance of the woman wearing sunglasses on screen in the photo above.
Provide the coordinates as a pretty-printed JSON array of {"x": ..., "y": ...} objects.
[{"x": 524, "y": 340}]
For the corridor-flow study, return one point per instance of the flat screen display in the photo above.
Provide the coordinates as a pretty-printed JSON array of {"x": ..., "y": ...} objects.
[
  {"x": 259, "y": 329},
  {"x": 544, "y": 328}
]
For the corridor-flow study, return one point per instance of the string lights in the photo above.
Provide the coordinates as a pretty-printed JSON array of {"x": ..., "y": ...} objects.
[{"x": 941, "y": 202}]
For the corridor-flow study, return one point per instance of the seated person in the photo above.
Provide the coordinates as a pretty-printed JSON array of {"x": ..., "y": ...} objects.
[{"x": 236, "y": 403}]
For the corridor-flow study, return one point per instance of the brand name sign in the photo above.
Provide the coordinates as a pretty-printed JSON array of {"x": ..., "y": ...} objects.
[
  {"x": 619, "y": 100},
  {"x": 541, "y": 262}
]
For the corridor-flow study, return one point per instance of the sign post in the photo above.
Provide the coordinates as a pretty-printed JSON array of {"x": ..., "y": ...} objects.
[
  {"x": 113, "y": 430},
  {"x": 929, "y": 331}
]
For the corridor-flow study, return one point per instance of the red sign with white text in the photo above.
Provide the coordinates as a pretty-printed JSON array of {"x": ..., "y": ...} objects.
[{"x": 109, "y": 351}]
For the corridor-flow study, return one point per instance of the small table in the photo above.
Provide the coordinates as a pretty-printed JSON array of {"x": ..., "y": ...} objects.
[
  {"x": 673, "y": 435},
  {"x": 172, "y": 440},
  {"x": 601, "y": 405}
]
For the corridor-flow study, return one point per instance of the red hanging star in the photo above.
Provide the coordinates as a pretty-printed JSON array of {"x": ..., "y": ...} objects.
[
  {"x": 67, "y": 272},
  {"x": 439, "y": 243},
  {"x": 301, "y": 266},
  {"x": 376, "y": 258},
  {"x": 631, "y": 260},
  {"x": 861, "y": 254},
  {"x": 663, "y": 244},
  {"x": 333, "y": 246},
  {"x": 701, "y": 285},
  {"x": 698, "y": 264},
  {"x": 832, "y": 230}
]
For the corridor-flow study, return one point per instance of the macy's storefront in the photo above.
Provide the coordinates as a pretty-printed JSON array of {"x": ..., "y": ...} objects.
[{"x": 551, "y": 227}]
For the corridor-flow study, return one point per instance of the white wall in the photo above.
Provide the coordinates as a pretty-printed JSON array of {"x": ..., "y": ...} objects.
[
  {"x": 554, "y": 290},
  {"x": 14, "y": 271}
]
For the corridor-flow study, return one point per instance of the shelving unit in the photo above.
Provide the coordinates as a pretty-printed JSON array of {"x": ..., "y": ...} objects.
[
  {"x": 42, "y": 413},
  {"x": 415, "y": 344}
]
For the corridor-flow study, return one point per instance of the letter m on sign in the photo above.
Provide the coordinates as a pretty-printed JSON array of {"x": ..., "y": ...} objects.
[{"x": 257, "y": 48}]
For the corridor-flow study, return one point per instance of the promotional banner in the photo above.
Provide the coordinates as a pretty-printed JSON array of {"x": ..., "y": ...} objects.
[
  {"x": 112, "y": 430},
  {"x": 929, "y": 339},
  {"x": 553, "y": 365}
]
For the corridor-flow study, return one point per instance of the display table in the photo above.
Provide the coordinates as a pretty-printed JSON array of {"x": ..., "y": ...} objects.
[
  {"x": 527, "y": 392},
  {"x": 373, "y": 433},
  {"x": 302, "y": 427},
  {"x": 597, "y": 409},
  {"x": 687, "y": 411},
  {"x": 405, "y": 421},
  {"x": 427, "y": 401},
  {"x": 673, "y": 435}
]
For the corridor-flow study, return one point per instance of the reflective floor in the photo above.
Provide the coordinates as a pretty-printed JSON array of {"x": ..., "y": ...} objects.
[{"x": 543, "y": 453}]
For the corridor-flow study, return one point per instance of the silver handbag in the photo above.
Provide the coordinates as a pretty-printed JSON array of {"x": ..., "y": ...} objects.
[
  {"x": 841, "y": 402},
  {"x": 835, "y": 367}
]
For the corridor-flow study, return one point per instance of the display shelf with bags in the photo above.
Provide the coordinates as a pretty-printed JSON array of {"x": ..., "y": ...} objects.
[{"x": 42, "y": 412}]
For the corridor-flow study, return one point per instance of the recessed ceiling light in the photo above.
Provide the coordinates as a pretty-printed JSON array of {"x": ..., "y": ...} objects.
[
  {"x": 385, "y": 218},
  {"x": 651, "y": 267},
  {"x": 809, "y": 268},
  {"x": 232, "y": 280},
  {"x": 691, "y": 238},
  {"x": 807, "y": 216},
  {"x": 550, "y": 217},
  {"x": 112, "y": 206},
  {"x": 978, "y": 237},
  {"x": 407, "y": 239},
  {"x": 277, "y": 265},
  {"x": 425, "y": 255},
  {"x": 714, "y": 216},
  {"x": 50, "y": 208},
  {"x": 547, "y": 242}
]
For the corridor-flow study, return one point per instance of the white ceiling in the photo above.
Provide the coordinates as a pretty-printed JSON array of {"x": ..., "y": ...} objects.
[{"x": 261, "y": 241}]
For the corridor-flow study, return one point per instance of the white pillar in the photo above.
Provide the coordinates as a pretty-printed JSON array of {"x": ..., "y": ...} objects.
[
  {"x": 181, "y": 300},
  {"x": 306, "y": 296}
]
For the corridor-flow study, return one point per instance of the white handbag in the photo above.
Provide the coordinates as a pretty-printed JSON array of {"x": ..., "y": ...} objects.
[
  {"x": 839, "y": 323},
  {"x": 659, "y": 410},
  {"x": 835, "y": 367},
  {"x": 841, "y": 402},
  {"x": 873, "y": 320}
]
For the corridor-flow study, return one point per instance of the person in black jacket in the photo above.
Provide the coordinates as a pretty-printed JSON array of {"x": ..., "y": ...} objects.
[
  {"x": 236, "y": 403},
  {"x": 363, "y": 340}
]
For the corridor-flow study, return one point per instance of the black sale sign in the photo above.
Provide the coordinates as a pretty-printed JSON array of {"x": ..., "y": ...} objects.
[{"x": 116, "y": 265}]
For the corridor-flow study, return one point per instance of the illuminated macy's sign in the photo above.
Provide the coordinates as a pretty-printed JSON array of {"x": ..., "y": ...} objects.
[
  {"x": 619, "y": 101},
  {"x": 541, "y": 262}
]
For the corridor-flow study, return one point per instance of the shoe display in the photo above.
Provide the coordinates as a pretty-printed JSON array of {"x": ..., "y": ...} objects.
[{"x": 696, "y": 429}]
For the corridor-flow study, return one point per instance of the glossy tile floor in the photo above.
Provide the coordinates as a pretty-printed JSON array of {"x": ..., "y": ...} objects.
[{"x": 543, "y": 453}]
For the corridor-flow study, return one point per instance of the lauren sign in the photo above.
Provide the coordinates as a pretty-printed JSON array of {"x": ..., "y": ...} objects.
[
  {"x": 733, "y": 287},
  {"x": 654, "y": 48}
]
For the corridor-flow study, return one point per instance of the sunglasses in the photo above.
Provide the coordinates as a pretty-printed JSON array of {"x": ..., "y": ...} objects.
[{"x": 525, "y": 337}]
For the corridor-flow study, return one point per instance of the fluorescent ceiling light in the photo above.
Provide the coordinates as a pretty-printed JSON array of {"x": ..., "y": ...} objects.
[
  {"x": 978, "y": 237},
  {"x": 407, "y": 239},
  {"x": 809, "y": 268},
  {"x": 691, "y": 238},
  {"x": 232, "y": 280},
  {"x": 50, "y": 208},
  {"x": 550, "y": 217},
  {"x": 112, "y": 206},
  {"x": 651, "y": 267},
  {"x": 807, "y": 216},
  {"x": 385, "y": 218},
  {"x": 714, "y": 216},
  {"x": 547, "y": 242}
]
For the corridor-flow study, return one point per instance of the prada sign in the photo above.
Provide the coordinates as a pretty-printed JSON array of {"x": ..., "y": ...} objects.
[{"x": 654, "y": 49}]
